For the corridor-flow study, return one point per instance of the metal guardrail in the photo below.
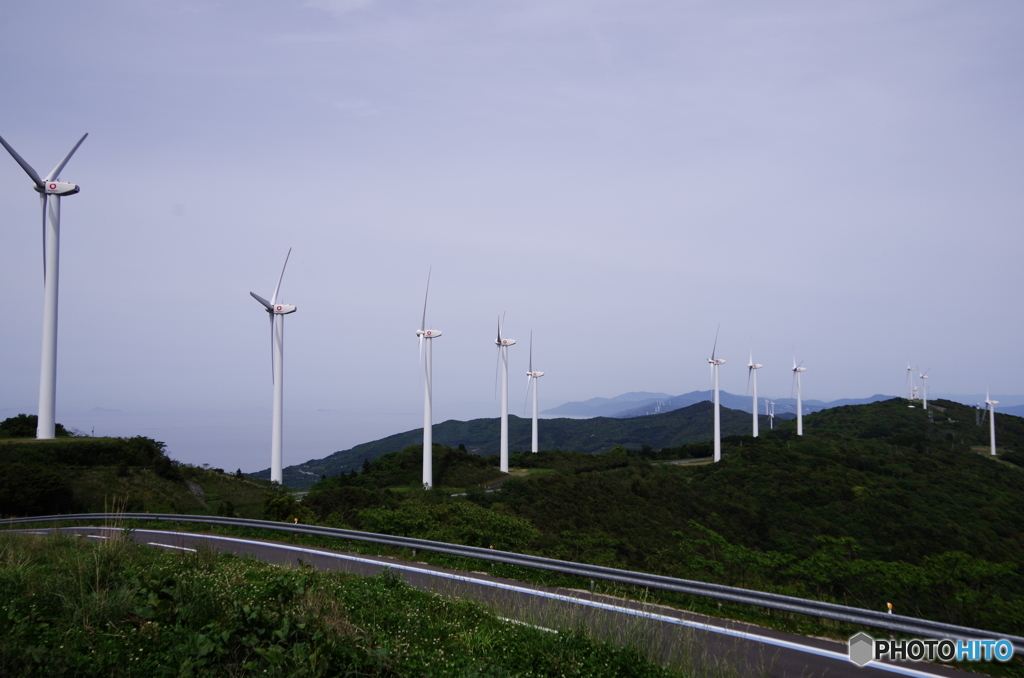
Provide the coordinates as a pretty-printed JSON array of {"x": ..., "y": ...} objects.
[{"x": 853, "y": 615}]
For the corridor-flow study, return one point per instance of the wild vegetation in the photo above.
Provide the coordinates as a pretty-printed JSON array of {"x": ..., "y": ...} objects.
[
  {"x": 845, "y": 513},
  {"x": 77, "y": 473},
  {"x": 120, "y": 609},
  {"x": 481, "y": 436}
]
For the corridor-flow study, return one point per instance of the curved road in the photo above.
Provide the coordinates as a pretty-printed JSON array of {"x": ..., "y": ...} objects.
[{"x": 749, "y": 649}]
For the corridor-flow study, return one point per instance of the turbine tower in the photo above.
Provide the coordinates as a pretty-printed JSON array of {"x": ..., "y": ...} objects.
[
  {"x": 503, "y": 345},
  {"x": 924, "y": 387},
  {"x": 277, "y": 313},
  {"x": 425, "y": 337},
  {"x": 992, "y": 421},
  {"x": 752, "y": 369},
  {"x": 531, "y": 380},
  {"x": 50, "y": 190},
  {"x": 715, "y": 364},
  {"x": 797, "y": 369}
]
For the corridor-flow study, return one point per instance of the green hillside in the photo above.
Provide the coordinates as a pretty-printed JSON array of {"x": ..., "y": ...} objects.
[
  {"x": 876, "y": 503},
  {"x": 481, "y": 436},
  {"x": 81, "y": 474},
  {"x": 944, "y": 423}
]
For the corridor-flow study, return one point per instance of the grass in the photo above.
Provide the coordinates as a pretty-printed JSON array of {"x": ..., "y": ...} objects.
[
  {"x": 143, "y": 490},
  {"x": 119, "y": 609}
]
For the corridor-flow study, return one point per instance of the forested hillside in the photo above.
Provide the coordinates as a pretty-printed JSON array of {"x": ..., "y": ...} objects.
[
  {"x": 917, "y": 516},
  {"x": 76, "y": 473},
  {"x": 481, "y": 436}
]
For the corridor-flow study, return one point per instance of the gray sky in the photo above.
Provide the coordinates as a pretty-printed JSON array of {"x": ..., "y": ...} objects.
[{"x": 841, "y": 179}]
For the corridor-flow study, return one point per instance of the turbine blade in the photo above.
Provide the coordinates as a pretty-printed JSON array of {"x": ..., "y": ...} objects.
[
  {"x": 750, "y": 371},
  {"x": 43, "y": 198},
  {"x": 499, "y": 330},
  {"x": 423, "y": 321},
  {"x": 423, "y": 366},
  {"x": 270, "y": 307},
  {"x": 273, "y": 299},
  {"x": 497, "y": 365},
  {"x": 24, "y": 165},
  {"x": 60, "y": 166},
  {"x": 715, "y": 347},
  {"x": 531, "y": 350},
  {"x": 529, "y": 385},
  {"x": 272, "y": 380}
]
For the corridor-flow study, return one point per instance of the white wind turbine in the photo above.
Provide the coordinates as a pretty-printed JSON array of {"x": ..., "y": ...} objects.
[
  {"x": 992, "y": 421},
  {"x": 277, "y": 313},
  {"x": 715, "y": 364},
  {"x": 923, "y": 376},
  {"x": 752, "y": 369},
  {"x": 50, "y": 190},
  {"x": 769, "y": 409},
  {"x": 425, "y": 337},
  {"x": 531, "y": 380},
  {"x": 797, "y": 369},
  {"x": 910, "y": 383},
  {"x": 503, "y": 345}
]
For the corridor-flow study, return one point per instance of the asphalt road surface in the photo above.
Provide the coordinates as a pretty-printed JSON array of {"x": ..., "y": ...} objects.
[{"x": 749, "y": 650}]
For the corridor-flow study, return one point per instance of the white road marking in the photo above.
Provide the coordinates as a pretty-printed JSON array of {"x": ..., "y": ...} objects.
[
  {"x": 168, "y": 546},
  {"x": 522, "y": 623}
]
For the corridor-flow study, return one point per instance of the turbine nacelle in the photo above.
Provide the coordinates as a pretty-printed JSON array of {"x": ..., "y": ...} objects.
[
  {"x": 716, "y": 361},
  {"x": 428, "y": 334},
  {"x": 57, "y": 188},
  {"x": 991, "y": 402},
  {"x": 279, "y": 309},
  {"x": 799, "y": 369},
  {"x": 504, "y": 342},
  {"x": 535, "y": 374},
  {"x": 754, "y": 366}
]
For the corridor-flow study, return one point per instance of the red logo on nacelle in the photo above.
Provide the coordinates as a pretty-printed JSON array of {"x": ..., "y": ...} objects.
[
  {"x": 53, "y": 186},
  {"x": 279, "y": 308}
]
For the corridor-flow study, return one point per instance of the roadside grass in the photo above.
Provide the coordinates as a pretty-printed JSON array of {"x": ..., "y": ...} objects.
[
  {"x": 120, "y": 609},
  {"x": 142, "y": 489},
  {"x": 758, "y": 616},
  {"x": 779, "y": 620}
]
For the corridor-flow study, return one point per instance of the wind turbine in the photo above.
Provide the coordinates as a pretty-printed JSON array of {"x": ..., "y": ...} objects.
[
  {"x": 770, "y": 412},
  {"x": 992, "y": 421},
  {"x": 503, "y": 345},
  {"x": 924, "y": 387},
  {"x": 50, "y": 190},
  {"x": 752, "y": 369},
  {"x": 715, "y": 364},
  {"x": 277, "y": 313},
  {"x": 910, "y": 382},
  {"x": 426, "y": 336},
  {"x": 531, "y": 380},
  {"x": 797, "y": 369}
]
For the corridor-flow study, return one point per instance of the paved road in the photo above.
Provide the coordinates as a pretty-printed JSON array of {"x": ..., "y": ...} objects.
[{"x": 750, "y": 650}]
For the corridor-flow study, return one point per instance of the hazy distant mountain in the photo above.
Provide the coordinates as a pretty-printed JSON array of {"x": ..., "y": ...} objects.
[
  {"x": 606, "y": 407},
  {"x": 481, "y": 436},
  {"x": 738, "y": 402}
]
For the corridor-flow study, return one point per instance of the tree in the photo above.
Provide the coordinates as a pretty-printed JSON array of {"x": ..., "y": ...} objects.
[{"x": 24, "y": 426}]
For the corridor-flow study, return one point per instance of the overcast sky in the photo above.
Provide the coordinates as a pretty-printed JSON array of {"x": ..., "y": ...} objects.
[{"x": 837, "y": 180}]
